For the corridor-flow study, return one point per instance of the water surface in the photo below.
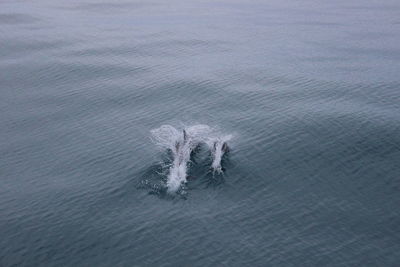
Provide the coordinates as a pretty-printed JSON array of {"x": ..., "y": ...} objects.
[{"x": 308, "y": 89}]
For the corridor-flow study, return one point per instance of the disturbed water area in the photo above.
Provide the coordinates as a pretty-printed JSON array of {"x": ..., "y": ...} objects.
[{"x": 309, "y": 92}]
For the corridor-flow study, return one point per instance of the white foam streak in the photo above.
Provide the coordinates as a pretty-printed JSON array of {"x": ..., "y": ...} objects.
[
  {"x": 217, "y": 151},
  {"x": 181, "y": 145}
]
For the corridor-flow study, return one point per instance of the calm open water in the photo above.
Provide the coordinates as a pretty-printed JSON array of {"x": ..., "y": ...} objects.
[{"x": 310, "y": 90}]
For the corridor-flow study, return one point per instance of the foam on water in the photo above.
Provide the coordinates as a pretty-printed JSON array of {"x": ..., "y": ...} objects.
[
  {"x": 181, "y": 144},
  {"x": 218, "y": 149}
]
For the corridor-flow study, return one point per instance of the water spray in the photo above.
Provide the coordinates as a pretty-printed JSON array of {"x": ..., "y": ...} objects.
[{"x": 181, "y": 143}]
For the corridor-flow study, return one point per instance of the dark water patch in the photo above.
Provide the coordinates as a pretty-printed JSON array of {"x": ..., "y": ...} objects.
[
  {"x": 16, "y": 48},
  {"x": 317, "y": 59},
  {"x": 106, "y": 7},
  {"x": 17, "y": 18},
  {"x": 318, "y": 23},
  {"x": 65, "y": 74},
  {"x": 166, "y": 48}
]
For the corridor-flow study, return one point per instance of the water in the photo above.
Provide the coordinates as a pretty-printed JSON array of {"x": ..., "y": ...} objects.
[
  {"x": 182, "y": 144},
  {"x": 309, "y": 90}
]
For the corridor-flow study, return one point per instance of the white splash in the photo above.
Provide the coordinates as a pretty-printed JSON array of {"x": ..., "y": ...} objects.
[
  {"x": 218, "y": 147},
  {"x": 181, "y": 143}
]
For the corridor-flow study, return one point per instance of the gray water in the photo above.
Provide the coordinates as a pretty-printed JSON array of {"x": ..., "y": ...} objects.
[{"x": 310, "y": 90}]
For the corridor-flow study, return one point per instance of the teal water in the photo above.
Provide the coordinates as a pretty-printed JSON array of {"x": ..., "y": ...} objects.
[{"x": 310, "y": 91}]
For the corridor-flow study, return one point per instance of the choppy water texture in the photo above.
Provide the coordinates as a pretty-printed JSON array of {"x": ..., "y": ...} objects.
[{"x": 310, "y": 91}]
